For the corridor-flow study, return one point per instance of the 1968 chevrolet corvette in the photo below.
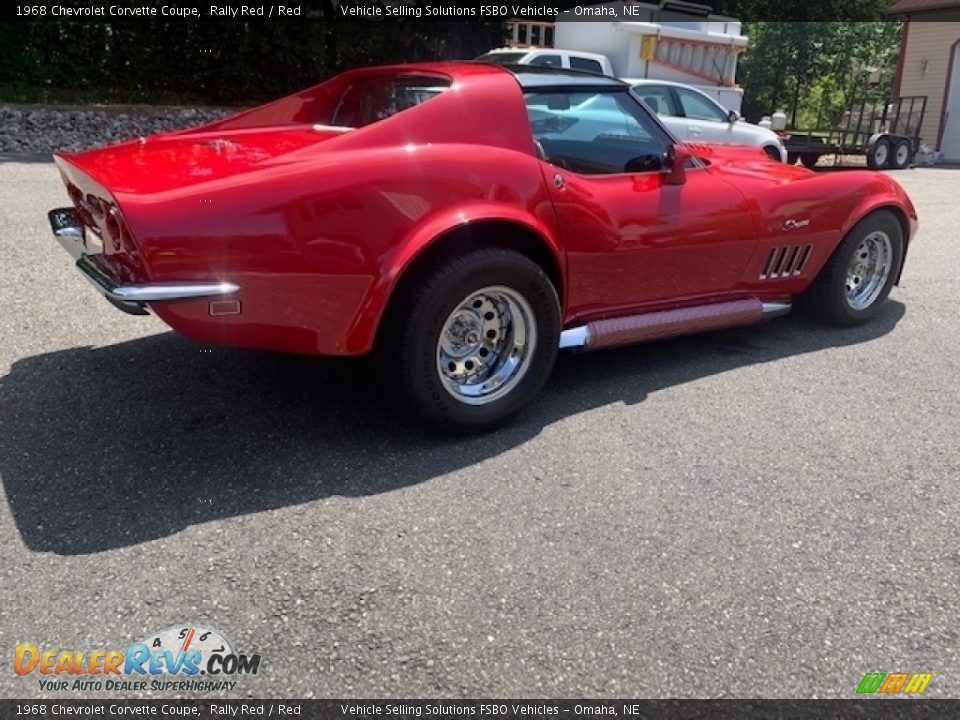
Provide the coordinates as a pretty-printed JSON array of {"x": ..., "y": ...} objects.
[{"x": 462, "y": 222}]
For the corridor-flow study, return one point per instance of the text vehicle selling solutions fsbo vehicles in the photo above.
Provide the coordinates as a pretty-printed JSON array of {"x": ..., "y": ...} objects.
[{"x": 462, "y": 222}]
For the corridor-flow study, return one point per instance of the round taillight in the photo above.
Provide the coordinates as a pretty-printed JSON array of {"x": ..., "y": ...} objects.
[
  {"x": 112, "y": 226},
  {"x": 123, "y": 237},
  {"x": 92, "y": 205},
  {"x": 126, "y": 238}
]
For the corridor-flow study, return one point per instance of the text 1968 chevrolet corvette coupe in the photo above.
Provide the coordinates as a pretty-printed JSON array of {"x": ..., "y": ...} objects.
[{"x": 463, "y": 222}]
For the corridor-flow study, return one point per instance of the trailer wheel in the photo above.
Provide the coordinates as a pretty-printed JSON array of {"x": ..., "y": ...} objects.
[
  {"x": 809, "y": 161},
  {"x": 900, "y": 157},
  {"x": 879, "y": 155}
]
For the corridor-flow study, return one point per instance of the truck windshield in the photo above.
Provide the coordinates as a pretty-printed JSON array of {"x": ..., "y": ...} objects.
[{"x": 505, "y": 58}]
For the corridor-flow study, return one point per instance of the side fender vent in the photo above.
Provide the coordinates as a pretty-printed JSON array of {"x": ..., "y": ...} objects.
[{"x": 785, "y": 261}]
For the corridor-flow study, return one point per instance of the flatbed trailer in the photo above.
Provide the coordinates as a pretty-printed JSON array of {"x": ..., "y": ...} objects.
[{"x": 887, "y": 133}]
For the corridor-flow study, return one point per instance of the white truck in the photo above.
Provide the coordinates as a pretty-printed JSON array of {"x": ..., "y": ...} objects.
[{"x": 676, "y": 41}]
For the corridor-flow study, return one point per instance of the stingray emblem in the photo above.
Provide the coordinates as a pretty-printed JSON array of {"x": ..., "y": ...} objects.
[{"x": 792, "y": 224}]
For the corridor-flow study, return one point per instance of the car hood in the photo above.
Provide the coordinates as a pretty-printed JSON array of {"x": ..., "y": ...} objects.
[
  {"x": 762, "y": 134},
  {"x": 742, "y": 159}
]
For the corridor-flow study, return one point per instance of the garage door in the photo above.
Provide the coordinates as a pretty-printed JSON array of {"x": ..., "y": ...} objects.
[{"x": 950, "y": 142}]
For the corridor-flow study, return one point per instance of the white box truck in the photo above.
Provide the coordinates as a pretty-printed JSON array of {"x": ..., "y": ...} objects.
[{"x": 676, "y": 41}]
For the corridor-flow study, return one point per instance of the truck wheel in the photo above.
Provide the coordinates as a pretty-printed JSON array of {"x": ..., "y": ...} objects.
[
  {"x": 773, "y": 153},
  {"x": 879, "y": 155},
  {"x": 474, "y": 339},
  {"x": 900, "y": 157},
  {"x": 809, "y": 161},
  {"x": 857, "y": 278}
]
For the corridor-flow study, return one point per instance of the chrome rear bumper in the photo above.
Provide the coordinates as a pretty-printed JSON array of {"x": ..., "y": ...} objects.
[{"x": 129, "y": 298}]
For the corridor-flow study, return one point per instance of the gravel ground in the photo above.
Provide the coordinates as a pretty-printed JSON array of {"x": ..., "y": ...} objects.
[
  {"x": 38, "y": 130},
  {"x": 768, "y": 511}
]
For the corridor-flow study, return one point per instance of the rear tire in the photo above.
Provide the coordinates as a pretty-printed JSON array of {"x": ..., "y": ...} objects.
[
  {"x": 810, "y": 161},
  {"x": 857, "y": 278},
  {"x": 878, "y": 156},
  {"x": 472, "y": 340},
  {"x": 792, "y": 158}
]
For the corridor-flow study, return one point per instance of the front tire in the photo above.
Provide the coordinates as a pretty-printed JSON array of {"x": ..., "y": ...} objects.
[
  {"x": 857, "y": 278},
  {"x": 473, "y": 340}
]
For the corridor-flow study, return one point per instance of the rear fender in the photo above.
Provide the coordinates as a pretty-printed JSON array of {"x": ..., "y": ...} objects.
[{"x": 364, "y": 329}]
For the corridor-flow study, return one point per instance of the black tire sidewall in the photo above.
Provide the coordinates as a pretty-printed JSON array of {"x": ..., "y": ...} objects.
[
  {"x": 880, "y": 221},
  {"x": 453, "y": 285}
]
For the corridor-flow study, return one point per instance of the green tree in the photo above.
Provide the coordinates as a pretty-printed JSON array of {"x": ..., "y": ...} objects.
[{"x": 813, "y": 70}]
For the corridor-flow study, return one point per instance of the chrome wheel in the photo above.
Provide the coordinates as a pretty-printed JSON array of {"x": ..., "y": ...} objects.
[
  {"x": 486, "y": 345},
  {"x": 868, "y": 270}
]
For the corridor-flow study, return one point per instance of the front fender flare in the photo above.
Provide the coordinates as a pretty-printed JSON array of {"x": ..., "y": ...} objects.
[{"x": 886, "y": 201}]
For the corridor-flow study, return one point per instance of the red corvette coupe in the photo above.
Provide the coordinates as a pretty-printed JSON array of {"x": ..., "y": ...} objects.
[{"x": 463, "y": 222}]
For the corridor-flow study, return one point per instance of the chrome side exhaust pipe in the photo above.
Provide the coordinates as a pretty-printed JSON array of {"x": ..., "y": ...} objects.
[{"x": 669, "y": 323}]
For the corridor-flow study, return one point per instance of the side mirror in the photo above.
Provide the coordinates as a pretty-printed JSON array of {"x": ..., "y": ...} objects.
[
  {"x": 644, "y": 163},
  {"x": 733, "y": 116},
  {"x": 675, "y": 160}
]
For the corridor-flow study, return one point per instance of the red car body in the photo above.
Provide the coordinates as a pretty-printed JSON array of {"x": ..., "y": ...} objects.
[{"x": 306, "y": 228}]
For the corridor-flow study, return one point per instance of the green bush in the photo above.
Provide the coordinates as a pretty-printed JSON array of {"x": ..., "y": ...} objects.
[{"x": 214, "y": 62}]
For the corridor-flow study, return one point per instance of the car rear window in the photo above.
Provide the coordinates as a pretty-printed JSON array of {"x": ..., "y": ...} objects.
[{"x": 371, "y": 99}]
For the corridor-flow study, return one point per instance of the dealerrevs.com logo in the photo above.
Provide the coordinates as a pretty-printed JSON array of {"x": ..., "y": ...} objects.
[
  {"x": 181, "y": 658},
  {"x": 894, "y": 683}
]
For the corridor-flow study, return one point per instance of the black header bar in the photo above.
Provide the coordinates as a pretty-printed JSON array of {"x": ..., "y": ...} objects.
[
  {"x": 901, "y": 709},
  {"x": 393, "y": 11}
]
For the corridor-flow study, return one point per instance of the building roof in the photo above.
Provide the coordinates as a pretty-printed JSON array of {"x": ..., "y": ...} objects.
[{"x": 905, "y": 7}]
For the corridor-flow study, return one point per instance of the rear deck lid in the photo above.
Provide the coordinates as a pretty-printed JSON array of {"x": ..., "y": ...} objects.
[{"x": 178, "y": 160}]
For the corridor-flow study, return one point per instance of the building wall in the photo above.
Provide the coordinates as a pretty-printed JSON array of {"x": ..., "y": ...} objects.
[{"x": 925, "y": 64}]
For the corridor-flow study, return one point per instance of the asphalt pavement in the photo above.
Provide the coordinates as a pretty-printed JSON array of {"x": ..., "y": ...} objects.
[{"x": 768, "y": 511}]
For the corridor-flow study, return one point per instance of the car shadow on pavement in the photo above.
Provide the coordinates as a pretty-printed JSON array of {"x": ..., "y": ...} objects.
[{"x": 109, "y": 447}]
